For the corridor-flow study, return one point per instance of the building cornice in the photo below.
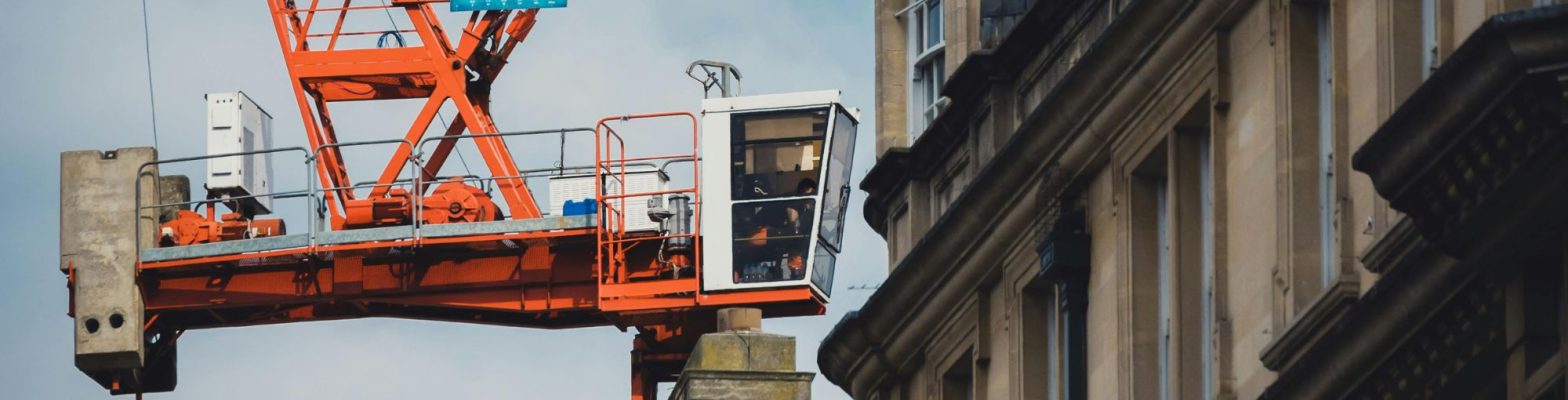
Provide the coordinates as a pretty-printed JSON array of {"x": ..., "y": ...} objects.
[{"x": 1490, "y": 118}]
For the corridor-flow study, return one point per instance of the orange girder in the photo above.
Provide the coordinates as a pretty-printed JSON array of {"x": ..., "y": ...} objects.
[{"x": 594, "y": 276}]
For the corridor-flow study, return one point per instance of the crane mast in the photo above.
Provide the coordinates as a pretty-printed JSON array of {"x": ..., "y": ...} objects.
[{"x": 758, "y": 226}]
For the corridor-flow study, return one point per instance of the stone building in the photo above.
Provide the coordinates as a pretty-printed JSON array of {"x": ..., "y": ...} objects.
[{"x": 1144, "y": 199}]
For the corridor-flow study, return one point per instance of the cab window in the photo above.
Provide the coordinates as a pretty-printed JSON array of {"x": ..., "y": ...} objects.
[
  {"x": 771, "y": 239},
  {"x": 836, "y": 189},
  {"x": 777, "y": 154}
]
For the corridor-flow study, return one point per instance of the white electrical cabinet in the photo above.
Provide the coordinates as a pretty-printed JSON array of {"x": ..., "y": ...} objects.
[
  {"x": 235, "y": 124},
  {"x": 639, "y": 179}
]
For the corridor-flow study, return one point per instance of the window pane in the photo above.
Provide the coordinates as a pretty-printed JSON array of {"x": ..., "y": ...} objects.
[
  {"x": 822, "y": 269},
  {"x": 836, "y": 190},
  {"x": 939, "y": 69},
  {"x": 777, "y": 154},
  {"x": 771, "y": 239},
  {"x": 1325, "y": 49},
  {"x": 933, "y": 24},
  {"x": 1162, "y": 228}
]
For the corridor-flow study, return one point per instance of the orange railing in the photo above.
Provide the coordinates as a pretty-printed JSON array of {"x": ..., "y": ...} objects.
[{"x": 614, "y": 241}]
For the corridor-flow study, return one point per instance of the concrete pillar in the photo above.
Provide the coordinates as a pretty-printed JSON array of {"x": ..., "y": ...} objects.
[{"x": 741, "y": 362}]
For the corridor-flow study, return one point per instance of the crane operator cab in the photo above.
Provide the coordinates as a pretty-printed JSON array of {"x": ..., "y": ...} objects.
[{"x": 775, "y": 173}]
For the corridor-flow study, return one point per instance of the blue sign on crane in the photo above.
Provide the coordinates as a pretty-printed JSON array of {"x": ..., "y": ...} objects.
[{"x": 478, "y": 5}]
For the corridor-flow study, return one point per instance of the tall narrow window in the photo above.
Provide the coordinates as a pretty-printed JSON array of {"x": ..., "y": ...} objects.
[
  {"x": 923, "y": 20},
  {"x": 1172, "y": 226},
  {"x": 1056, "y": 365},
  {"x": 1041, "y": 345},
  {"x": 1206, "y": 241},
  {"x": 958, "y": 383},
  {"x": 1325, "y": 94},
  {"x": 1429, "y": 35},
  {"x": 1150, "y": 241},
  {"x": 1162, "y": 203}
]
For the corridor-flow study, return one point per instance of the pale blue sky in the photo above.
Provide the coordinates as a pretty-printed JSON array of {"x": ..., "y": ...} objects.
[{"x": 73, "y": 76}]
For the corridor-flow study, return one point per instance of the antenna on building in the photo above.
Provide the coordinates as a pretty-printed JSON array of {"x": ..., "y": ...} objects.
[{"x": 716, "y": 74}]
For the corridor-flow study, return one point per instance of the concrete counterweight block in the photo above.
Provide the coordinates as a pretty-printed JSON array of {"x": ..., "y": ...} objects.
[{"x": 98, "y": 246}]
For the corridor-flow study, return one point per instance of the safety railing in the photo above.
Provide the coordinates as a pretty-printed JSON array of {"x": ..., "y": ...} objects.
[
  {"x": 610, "y": 162},
  {"x": 612, "y": 212},
  {"x": 309, "y": 193},
  {"x": 522, "y": 175},
  {"x": 413, "y": 184}
]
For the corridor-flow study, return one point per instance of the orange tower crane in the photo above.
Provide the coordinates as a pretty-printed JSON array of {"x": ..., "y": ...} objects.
[{"x": 759, "y": 225}]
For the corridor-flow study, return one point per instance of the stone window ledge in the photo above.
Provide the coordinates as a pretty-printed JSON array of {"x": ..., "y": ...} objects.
[{"x": 1312, "y": 323}]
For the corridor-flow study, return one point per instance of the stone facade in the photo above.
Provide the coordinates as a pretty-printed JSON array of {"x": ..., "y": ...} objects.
[
  {"x": 741, "y": 362},
  {"x": 1218, "y": 199}
]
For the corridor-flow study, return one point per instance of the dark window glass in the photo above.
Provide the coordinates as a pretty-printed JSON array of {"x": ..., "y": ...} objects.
[
  {"x": 933, "y": 25},
  {"x": 777, "y": 154},
  {"x": 771, "y": 239},
  {"x": 822, "y": 269}
]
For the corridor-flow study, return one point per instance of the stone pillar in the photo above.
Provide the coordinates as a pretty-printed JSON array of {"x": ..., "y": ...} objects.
[{"x": 741, "y": 362}]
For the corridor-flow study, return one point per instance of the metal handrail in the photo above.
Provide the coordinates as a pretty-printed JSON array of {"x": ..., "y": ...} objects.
[
  {"x": 414, "y": 219},
  {"x": 604, "y": 147},
  {"x": 418, "y": 151},
  {"x": 316, "y": 194},
  {"x": 421, "y": 146},
  {"x": 310, "y": 160}
]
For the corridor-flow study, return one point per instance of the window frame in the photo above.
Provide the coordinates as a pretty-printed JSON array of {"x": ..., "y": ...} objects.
[
  {"x": 738, "y": 144},
  {"x": 924, "y": 59},
  {"x": 845, "y": 147}
]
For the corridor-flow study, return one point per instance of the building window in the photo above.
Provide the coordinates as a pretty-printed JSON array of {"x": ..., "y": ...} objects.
[
  {"x": 1325, "y": 133},
  {"x": 958, "y": 383},
  {"x": 1171, "y": 241},
  {"x": 1042, "y": 343},
  {"x": 1055, "y": 363},
  {"x": 1151, "y": 247},
  {"x": 923, "y": 21},
  {"x": 1162, "y": 204},
  {"x": 1429, "y": 37},
  {"x": 1207, "y": 259}
]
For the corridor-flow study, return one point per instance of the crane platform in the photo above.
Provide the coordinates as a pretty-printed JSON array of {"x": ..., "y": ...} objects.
[{"x": 755, "y": 218}]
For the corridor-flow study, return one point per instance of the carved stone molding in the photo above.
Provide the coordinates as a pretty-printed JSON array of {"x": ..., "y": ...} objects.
[{"x": 1489, "y": 125}]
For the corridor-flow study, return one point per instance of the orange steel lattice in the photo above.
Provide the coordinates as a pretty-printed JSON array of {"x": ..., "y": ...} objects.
[
  {"x": 599, "y": 275},
  {"x": 434, "y": 70}
]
